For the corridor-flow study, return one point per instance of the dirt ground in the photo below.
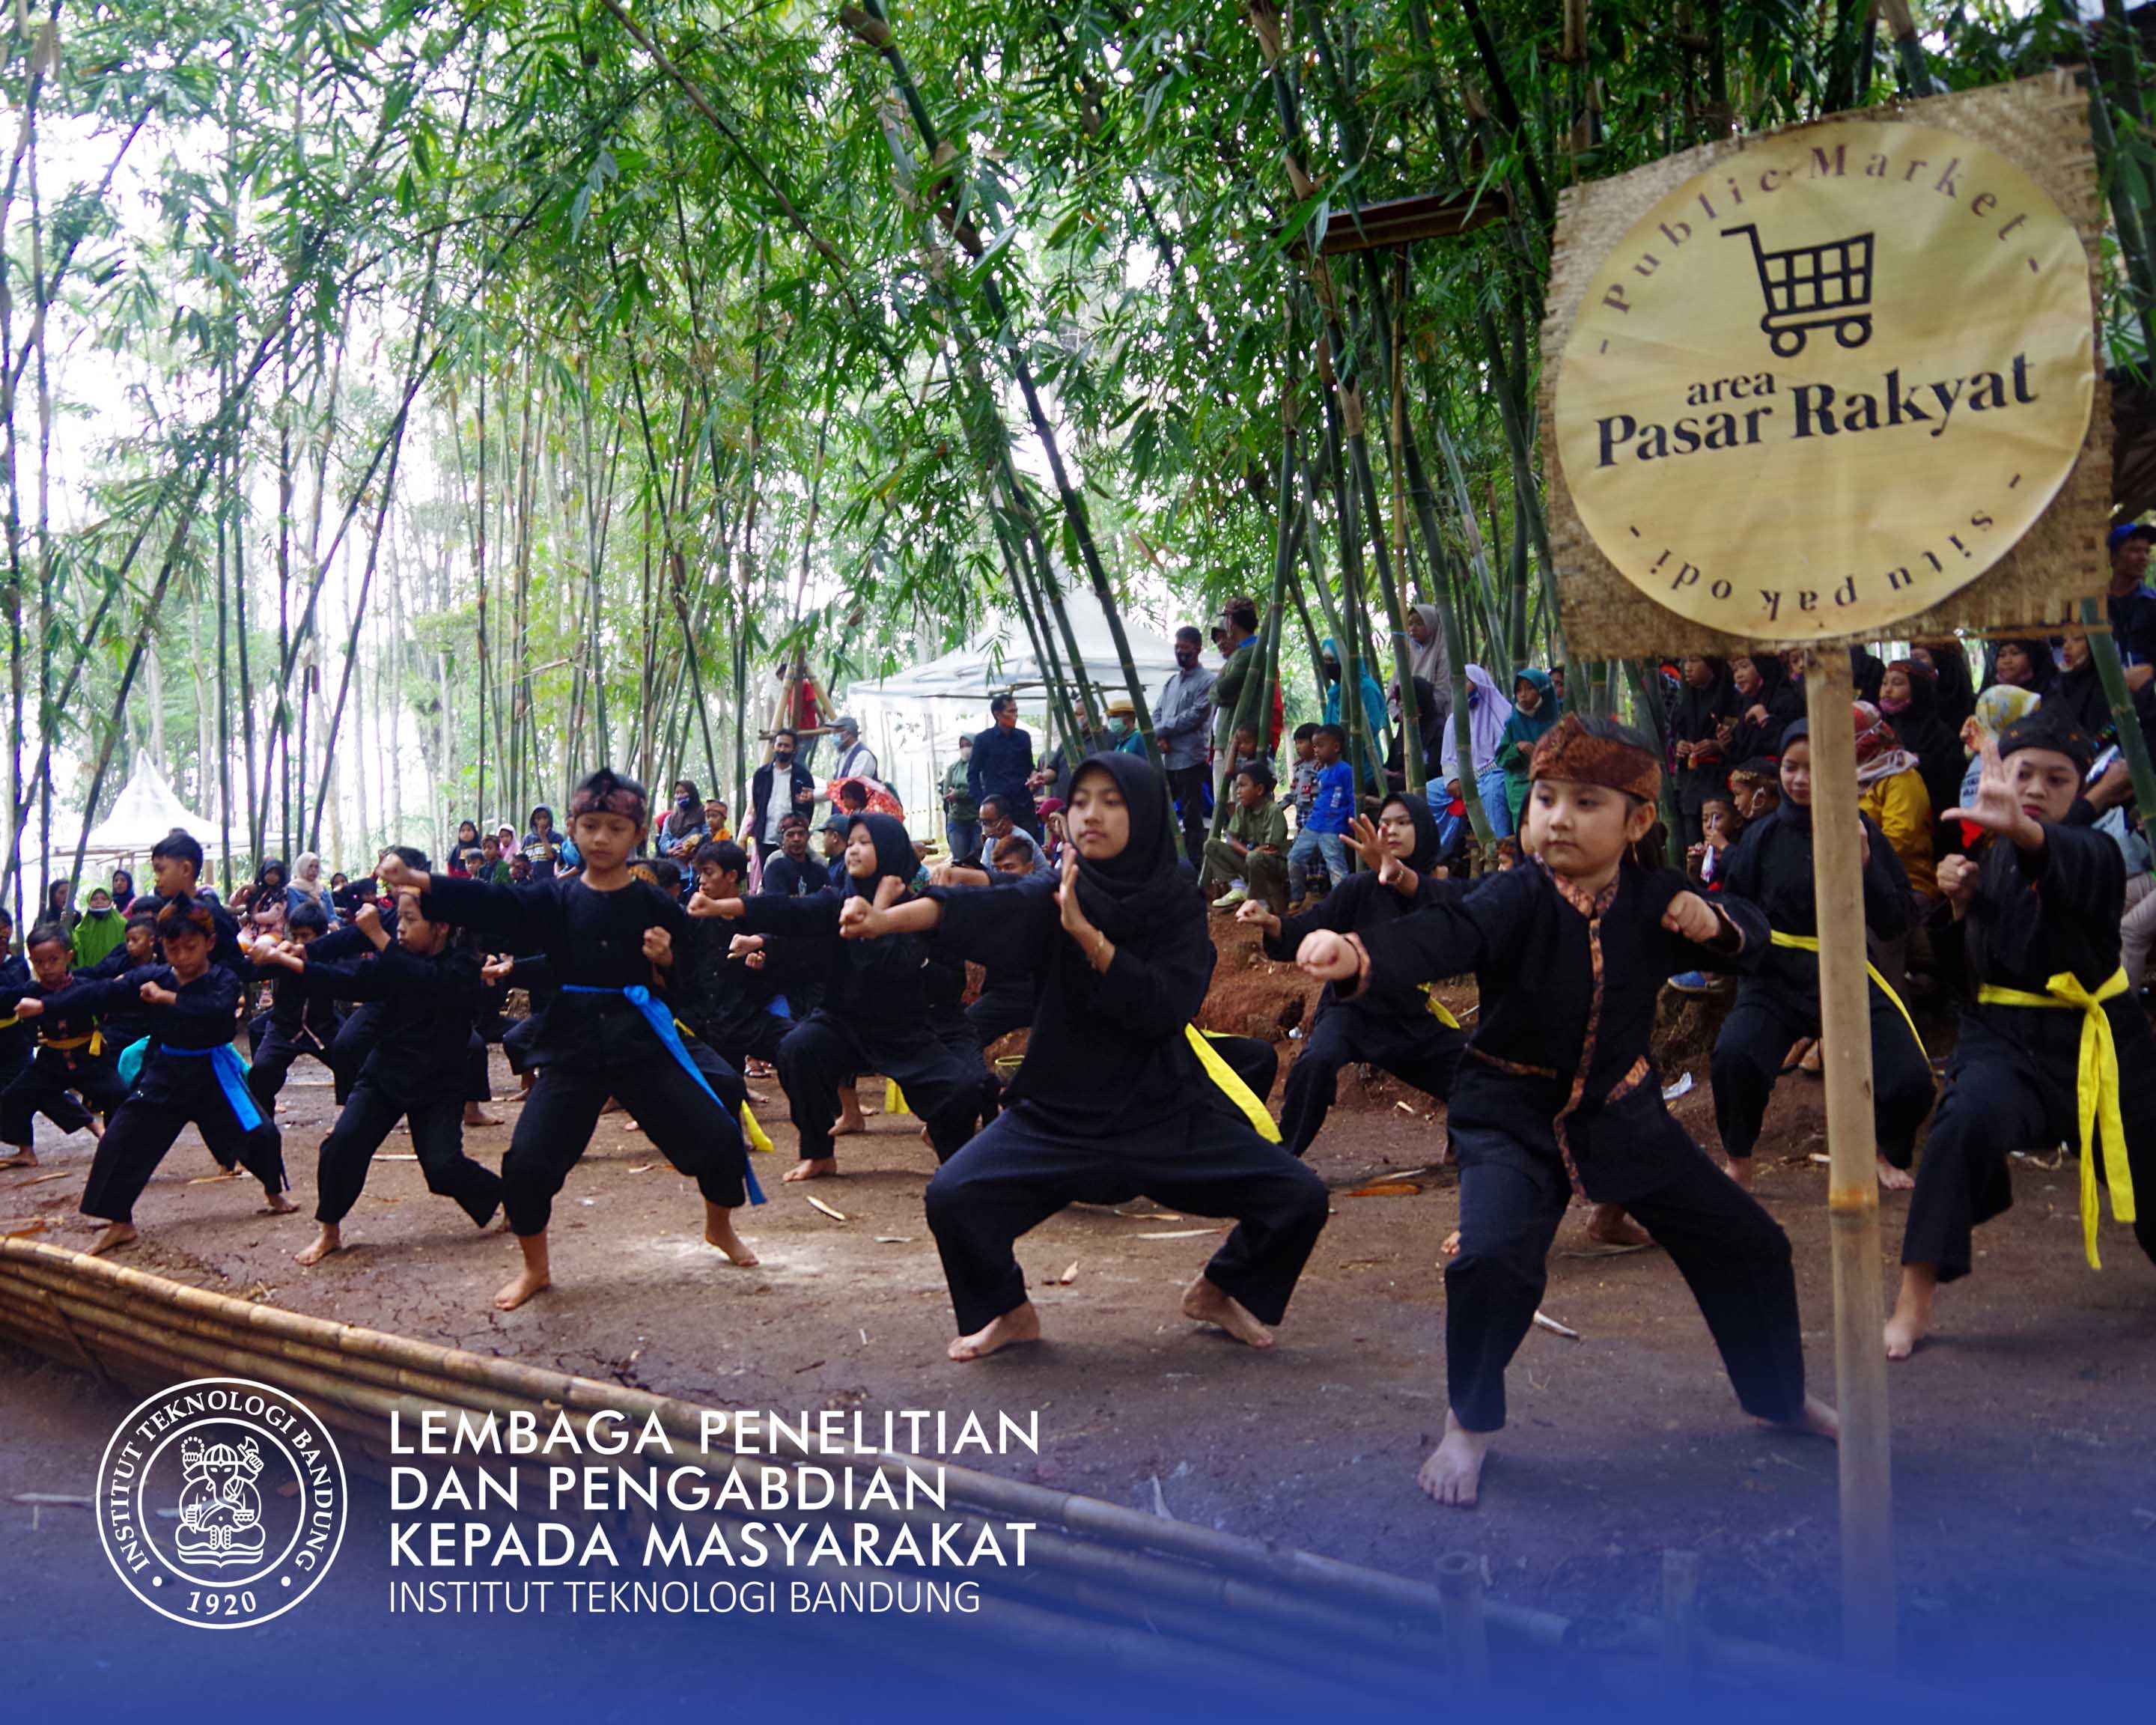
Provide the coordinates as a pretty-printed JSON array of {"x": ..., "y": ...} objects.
[{"x": 2024, "y": 1479}]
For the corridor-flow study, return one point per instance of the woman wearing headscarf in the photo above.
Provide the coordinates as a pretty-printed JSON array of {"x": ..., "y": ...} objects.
[
  {"x": 309, "y": 886},
  {"x": 875, "y": 1015},
  {"x": 1535, "y": 709},
  {"x": 684, "y": 827},
  {"x": 1949, "y": 666},
  {"x": 1702, "y": 715},
  {"x": 1429, "y": 717},
  {"x": 1427, "y": 657},
  {"x": 1778, "y": 1005},
  {"x": 1890, "y": 791},
  {"x": 1488, "y": 713},
  {"x": 123, "y": 890},
  {"x": 1374, "y": 710},
  {"x": 1117, "y": 1097},
  {"x": 2024, "y": 665},
  {"x": 1404, "y": 1030},
  {"x": 268, "y": 899},
  {"x": 1909, "y": 698},
  {"x": 1999, "y": 705}
]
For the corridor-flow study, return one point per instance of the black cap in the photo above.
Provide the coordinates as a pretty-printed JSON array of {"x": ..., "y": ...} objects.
[{"x": 2050, "y": 727}]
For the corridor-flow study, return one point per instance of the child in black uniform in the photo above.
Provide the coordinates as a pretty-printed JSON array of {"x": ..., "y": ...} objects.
[
  {"x": 721, "y": 992},
  {"x": 1557, "y": 1095},
  {"x": 1777, "y": 1003},
  {"x": 73, "y": 1078},
  {"x": 14, "y": 1035},
  {"x": 874, "y": 1013},
  {"x": 1117, "y": 1097},
  {"x": 415, "y": 1071},
  {"x": 1400, "y": 1031},
  {"x": 606, "y": 1035},
  {"x": 2054, "y": 1047},
  {"x": 191, "y": 1076},
  {"x": 302, "y": 1020}
]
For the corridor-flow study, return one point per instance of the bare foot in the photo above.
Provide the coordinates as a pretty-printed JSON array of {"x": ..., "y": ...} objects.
[
  {"x": 1609, "y": 1225},
  {"x": 327, "y": 1241},
  {"x": 1817, "y": 1419},
  {"x": 1892, "y": 1178},
  {"x": 476, "y": 1115},
  {"x": 1453, "y": 1472},
  {"x": 1739, "y": 1169},
  {"x": 276, "y": 1203},
  {"x": 813, "y": 1168},
  {"x": 850, "y": 1122},
  {"x": 1911, "y": 1319},
  {"x": 718, "y": 1231},
  {"x": 1206, "y": 1302},
  {"x": 1021, "y": 1323},
  {"x": 519, "y": 1288},
  {"x": 23, "y": 1158},
  {"x": 116, "y": 1234},
  {"x": 1450, "y": 1249},
  {"x": 1814, "y": 1062}
]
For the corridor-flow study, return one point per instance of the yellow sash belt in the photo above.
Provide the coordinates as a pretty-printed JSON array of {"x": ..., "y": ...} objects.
[
  {"x": 2096, "y": 1089},
  {"x": 1437, "y": 1009},
  {"x": 94, "y": 1042},
  {"x": 1236, "y": 1091},
  {"x": 1809, "y": 943}
]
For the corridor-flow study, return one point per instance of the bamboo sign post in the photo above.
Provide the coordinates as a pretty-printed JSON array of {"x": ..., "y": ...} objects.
[{"x": 1815, "y": 386}]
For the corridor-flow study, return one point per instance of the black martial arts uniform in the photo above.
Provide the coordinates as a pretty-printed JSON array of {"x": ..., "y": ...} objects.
[
  {"x": 1112, "y": 1102},
  {"x": 14, "y": 1034},
  {"x": 125, "y": 1021},
  {"x": 875, "y": 1015},
  {"x": 361, "y": 1028},
  {"x": 796, "y": 971},
  {"x": 415, "y": 1071},
  {"x": 302, "y": 1020},
  {"x": 1396, "y": 1030},
  {"x": 2012, "y": 1083},
  {"x": 1777, "y": 1003},
  {"x": 730, "y": 1006},
  {"x": 190, "y": 1075},
  {"x": 1557, "y": 1094},
  {"x": 74, "y": 1075},
  {"x": 595, "y": 1041}
]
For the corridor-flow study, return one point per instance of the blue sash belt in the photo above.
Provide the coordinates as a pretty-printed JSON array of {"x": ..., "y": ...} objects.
[
  {"x": 662, "y": 1020},
  {"x": 231, "y": 1078}
]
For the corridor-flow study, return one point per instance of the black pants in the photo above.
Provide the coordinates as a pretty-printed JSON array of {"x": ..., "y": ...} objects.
[
  {"x": 516, "y": 1043},
  {"x": 438, "y": 1135},
  {"x": 1990, "y": 1108},
  {"x": 353, "y": 1044},
  {"x": 1755, "y": 1040},
  {"x": 1426, "y": 1059},
  {"x": 1189, "y": 786},
  {"x": 756, "y": 1039},
  {"x": 274, "y": 1052},
  {"x": 1015, "y": 1175},
  {"x": 49, "y": 1087},
  {"x": 697, "y": 1134},
  {"x": 477, "y": 1089},
  {"x": 1732, "y": 1253},
  {"x": 142, "y": 1130},
  {"x": 1252, "y": 1059},
  {"x": 826, "y": 1051}
]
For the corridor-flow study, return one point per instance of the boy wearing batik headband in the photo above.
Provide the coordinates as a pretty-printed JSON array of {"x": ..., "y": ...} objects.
[
  {"x": 2053, "y": 1046},
  {"x": 1557, "y": 1094},
  {"x": 607, "y": 936}
]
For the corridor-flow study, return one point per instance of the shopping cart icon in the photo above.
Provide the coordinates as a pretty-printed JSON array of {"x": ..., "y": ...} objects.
[{"x": 1813, "y": 287}]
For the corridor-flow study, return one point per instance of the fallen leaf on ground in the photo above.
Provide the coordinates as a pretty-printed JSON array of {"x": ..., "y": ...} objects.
[
  {"x": 643, "y": 1168},
  {"x": 62, "y": 1174},
  {"x": 17, "y": 1230},
  {"x": 1179, "y": 1234},
  {"x": 894, "y": 1239},
  {"x": 835, "y": 1215},
  {"x": 1555, "y": 1328},
  {"x": 1387, "y": 1188}
]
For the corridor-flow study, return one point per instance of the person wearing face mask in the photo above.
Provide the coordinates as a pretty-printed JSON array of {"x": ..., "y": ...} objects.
[
  {"x": 684, "y": 827},
  {"x": 1001, "y": 765},
  {"x": 1122, "y": 716},
  {"x": 797, "y": 793},
  {"x": 101, "y": 929}
]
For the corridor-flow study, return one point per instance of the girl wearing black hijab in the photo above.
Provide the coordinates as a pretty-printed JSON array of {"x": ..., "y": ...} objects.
[
  {"x": 1404, "y": 1030},
  {"x": 875, "y": 1015},
  {"x": 1117, "y": 1097}
]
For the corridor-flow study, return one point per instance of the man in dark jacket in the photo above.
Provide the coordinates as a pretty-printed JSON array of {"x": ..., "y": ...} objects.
[
  {"x": 1001, "y": 764},
  {"x": 765, "y": 814}
]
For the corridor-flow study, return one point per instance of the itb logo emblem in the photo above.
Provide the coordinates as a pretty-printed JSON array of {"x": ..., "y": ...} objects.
[{"x": 221, "y": 1502}]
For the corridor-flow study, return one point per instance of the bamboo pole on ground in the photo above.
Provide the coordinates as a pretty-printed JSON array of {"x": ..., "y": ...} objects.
[{"x": 1859, "y": 1356}]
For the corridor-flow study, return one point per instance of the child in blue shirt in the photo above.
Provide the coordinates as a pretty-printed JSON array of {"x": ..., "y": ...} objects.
[{"x": 1325, "y": 829}]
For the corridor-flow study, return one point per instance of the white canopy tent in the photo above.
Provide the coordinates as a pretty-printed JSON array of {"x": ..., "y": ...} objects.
[
  {"x": 913, "y": 720},
  {"x": 146, "y": 810}
]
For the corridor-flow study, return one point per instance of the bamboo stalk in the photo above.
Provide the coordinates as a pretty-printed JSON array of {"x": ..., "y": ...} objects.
[{"x": 1867, "y": 1529}]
